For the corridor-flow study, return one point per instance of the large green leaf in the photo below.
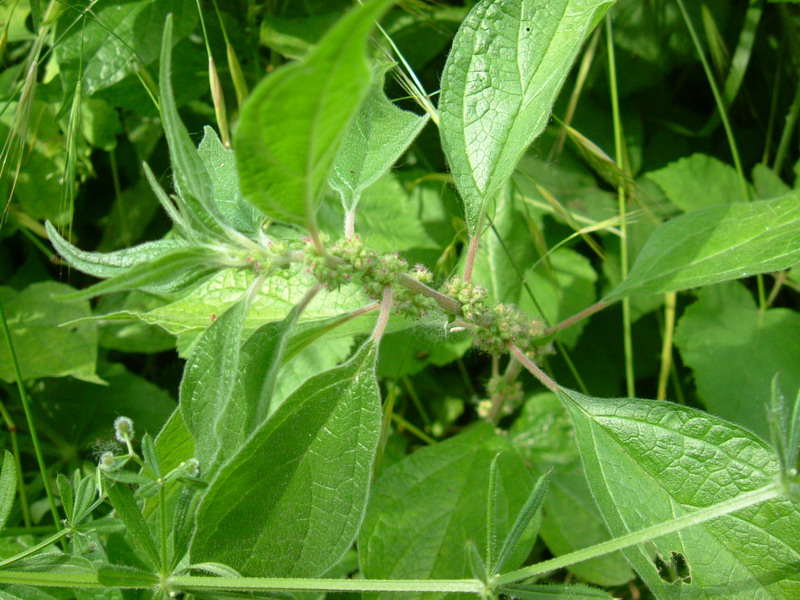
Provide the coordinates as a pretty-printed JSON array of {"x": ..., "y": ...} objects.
[
  {"x": 508, "y": 63},
  {"x": 213, "y": 412},
  {"x": 290, "y": 502},
  {"x": 42, "y": 346},
  {"x": 293, "y": 123},
  {"x": 735, "y": 350},
  {"x": 717, "y": 244},
  {"x": 544, "y": 437},
  {"x": 377, "y": 137},
  {"x": 648, "y": 462},
  {"x": 505, "y": 252},
  {"x": 121, "y": 36},
  {"x": 426, "y": 508}
]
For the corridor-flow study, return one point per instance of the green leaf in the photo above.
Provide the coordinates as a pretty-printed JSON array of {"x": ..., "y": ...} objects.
[
  {"x": 698, "y": 181},
  {"x": 8, "y": 487},
  {"x": 716, "y": 244},
  {"x": 120, "y": 37},
  {"x": 648, "y": 462},
  {"x": 62, "y": 399},
  {"x": 286, "y": 149},
  {"x": 109, "y": 264},
  {"x": 43, "y": 347},
  {"x": 529, "y": 510},
  {"x": 290, "y": 503},
  {"x": 261, "y": 358},
  {"x": 66, "y": 496},
  {"x": 425, "y": 509},
  {"x": 505, "y": 252},
  {"x": 214, "y": 414},
  {"x": 220, "y": 163},
  {"x": 560, "y": 286},
  {"x": 377, "y": 137},
  {"x": 735, "y": 349},
  {"x": 128, "y": 511},
  {"x": 192, "y": 180},
  {"x": 172, "y": 271},
  {"x": 508, "y": 63},
  {"x": 280, "y": 292},
  {"x": 544, "y": 437}
]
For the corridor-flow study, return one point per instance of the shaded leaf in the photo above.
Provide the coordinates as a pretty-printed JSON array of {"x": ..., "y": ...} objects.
[
  {"x": 426, "y": 508},
  {"x": 42, "y": 346},
  {"x": 698, "y": 181},
  {"x": 735, "y": 350},
  {"x": 8, "y": 487},
  {"x": 128, "y": 511}
]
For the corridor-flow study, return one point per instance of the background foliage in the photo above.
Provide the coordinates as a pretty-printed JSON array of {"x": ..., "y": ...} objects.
[{"x": 637, "y": 124}]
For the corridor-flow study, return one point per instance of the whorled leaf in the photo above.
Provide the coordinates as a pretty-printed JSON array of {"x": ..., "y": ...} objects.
[{"x": 508, "y": 63}]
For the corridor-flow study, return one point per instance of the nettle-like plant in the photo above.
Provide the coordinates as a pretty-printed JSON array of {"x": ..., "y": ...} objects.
[{"x": 253, "y": 487}]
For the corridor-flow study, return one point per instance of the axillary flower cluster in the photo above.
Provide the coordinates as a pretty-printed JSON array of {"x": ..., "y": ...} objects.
[{"x": 492, "y": 327}]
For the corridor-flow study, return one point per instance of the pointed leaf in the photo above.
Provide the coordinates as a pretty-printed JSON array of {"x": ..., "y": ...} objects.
[
  {"x": 529, "y": 510},
  {"x": 261, "y": 358},
  {"x": 108, "y": 264},
  {"x": 8, "y": 487},
  {"x": 648, "y": 462},
  {"x": 211, "y": 410},
  {"x": 118, "y": 576},
  {"x": 191, "y": 178},
  {"x": 169, "y": 272},
  {"x": 129, "y": 512},
  {"x": 290, "y": 503},
  {"x": 220, "y": 163},
  {"x": 295, "y": 120},
  {"x": 64, "y": 492},
  {"x": 717, "y": 244},
  {"x": 508, "y": 63},
  {"x": 377, "y": 137}
]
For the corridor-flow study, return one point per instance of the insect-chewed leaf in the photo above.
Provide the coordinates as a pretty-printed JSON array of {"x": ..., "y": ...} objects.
[{"x": 648, "y": 462}]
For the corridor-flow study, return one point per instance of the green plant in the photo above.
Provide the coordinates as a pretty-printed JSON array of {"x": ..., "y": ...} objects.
[{"x": 280, "y": 454}]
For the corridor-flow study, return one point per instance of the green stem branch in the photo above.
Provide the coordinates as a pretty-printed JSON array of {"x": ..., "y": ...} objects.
[{"x": 697, "y": 517}]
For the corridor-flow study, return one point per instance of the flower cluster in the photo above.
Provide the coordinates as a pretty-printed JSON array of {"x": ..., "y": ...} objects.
[
  {"x": 349, "y": 260},
  {"x": 507, "y": 324},
  {"x": 471, "y": 296}
]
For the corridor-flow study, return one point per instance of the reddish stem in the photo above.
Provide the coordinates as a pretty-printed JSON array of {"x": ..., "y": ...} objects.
[{"x": 532, "y": 367}]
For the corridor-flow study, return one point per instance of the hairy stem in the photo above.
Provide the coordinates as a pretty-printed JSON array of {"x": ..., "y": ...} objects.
[
  {"x": 383, "y": 317},
  {"x": 532, "y": 367},
  {"x": 587, "y": 312}
]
